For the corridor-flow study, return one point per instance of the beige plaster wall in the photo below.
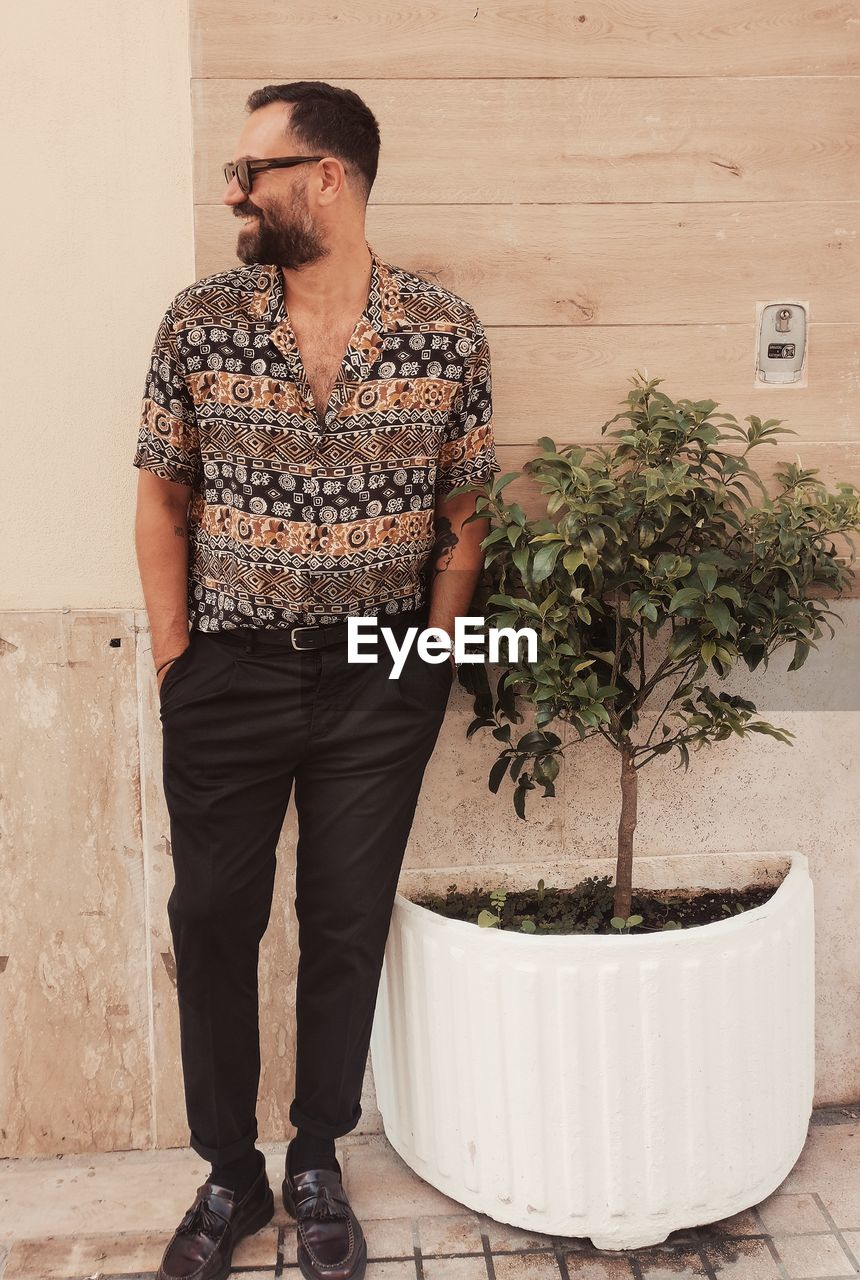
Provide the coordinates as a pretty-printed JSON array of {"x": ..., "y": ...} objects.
[
  {"x": 97, "y": 237},
  {"x": 88, "y": 1025}
]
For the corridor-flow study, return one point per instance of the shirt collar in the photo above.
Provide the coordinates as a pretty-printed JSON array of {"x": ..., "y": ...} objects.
[{"x": 383, "y": 314}]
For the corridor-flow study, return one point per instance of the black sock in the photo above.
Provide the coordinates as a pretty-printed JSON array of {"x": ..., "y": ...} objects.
[
  {"x": 307, "y": 1151},
  {"x": 238, "y": 1174}
]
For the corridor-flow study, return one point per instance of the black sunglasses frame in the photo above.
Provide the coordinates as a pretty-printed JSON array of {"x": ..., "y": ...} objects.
[{"x": 244, "y": 170}]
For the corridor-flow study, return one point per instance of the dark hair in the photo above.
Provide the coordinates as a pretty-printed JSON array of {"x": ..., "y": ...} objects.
[{"x": 332, "y": 120}]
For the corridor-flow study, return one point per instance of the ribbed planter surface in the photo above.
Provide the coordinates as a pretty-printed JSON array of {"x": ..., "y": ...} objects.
[{"x": 616, "y": 1088}]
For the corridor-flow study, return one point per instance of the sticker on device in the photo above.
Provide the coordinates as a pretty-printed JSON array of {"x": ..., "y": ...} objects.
[{"x": 473, "y": 642}]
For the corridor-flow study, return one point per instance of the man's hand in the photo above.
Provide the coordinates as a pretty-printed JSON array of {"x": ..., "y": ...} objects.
[{"x": 159, "y": 678}]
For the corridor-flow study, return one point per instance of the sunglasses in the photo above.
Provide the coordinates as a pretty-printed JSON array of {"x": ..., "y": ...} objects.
[{"x": 245, "y": 170}]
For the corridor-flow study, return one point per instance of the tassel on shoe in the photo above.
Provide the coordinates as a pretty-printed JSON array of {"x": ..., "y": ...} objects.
[{"x": 324, "y": 1207}]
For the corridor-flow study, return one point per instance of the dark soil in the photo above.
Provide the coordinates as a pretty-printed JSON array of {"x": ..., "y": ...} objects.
[{"x": 587, "y": 908}]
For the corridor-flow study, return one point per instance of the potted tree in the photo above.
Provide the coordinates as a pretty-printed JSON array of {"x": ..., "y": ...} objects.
[{"x": 578, "y": 1067}]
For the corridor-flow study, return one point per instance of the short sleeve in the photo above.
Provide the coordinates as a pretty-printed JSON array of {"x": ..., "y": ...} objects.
[
  {"x": 468, "y": 455},
  {"x": 167, "y": 439}
]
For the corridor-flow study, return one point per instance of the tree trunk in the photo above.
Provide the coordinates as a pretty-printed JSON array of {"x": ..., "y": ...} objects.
[{"x": 626, "y": 827}]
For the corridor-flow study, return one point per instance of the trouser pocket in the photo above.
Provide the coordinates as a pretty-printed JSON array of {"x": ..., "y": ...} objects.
[
  {"x": 202, "y": 671},
  {"x": 176, "y": 668},
  {"x": 424, "y": 685}
]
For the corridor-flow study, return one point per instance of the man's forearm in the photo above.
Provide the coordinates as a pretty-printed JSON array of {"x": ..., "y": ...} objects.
[
  {"x": 161, "y": 542},
  {"x": 455, "y": 562}
]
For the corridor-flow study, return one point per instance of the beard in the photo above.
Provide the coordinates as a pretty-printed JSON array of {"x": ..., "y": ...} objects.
[{"x": 289, "y": 239}]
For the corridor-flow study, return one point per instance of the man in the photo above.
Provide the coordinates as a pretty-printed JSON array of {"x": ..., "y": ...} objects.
[{"x": 305, "y": 420}]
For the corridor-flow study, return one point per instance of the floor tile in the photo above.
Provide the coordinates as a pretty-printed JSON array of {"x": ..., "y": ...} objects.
[
  {"x": 828, "y": 1164},
  {"x": 449, "y": 1233},
  {"x": 501, "y": 1235},
  {"x": 381, "y": 1185},
  {"x": 852, "y": 1242},
  {"x": 744, "y": 1223},
  {"x": 807, "y": 1229},
  {"x": 601, "y": 1266},
  {"x": 389, "y": 1237},
  {"x": 789, "y": 1213},
  {"x": 528, "y": 1266},
  {"x": 685, "y": 1265},
  {"x": 382, "y": 1271},
  {"x": 125, "y": 1253},
  {"x": 457, "y": 1269},
  {"x": 119, "y": 1253},
  {"x": 810, "y": 1257},
  {"x": 741, "y": 1259}
]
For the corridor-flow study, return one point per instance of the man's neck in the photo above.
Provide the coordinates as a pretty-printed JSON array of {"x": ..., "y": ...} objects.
[{"x": 335, "y": 284}]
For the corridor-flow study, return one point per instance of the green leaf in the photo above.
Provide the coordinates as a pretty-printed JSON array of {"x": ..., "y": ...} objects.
[
  {"x": 498, "y": 771},
  {"x": 520, "y": 557},
  {"x": 546, "y": 768},
  {"x": 532, "y": 741},
  {"x": 686, "y": 595},
  {"x": 728, "y": 592},
  {"x": 682, "y": 640},
  {"x": 544, "y": 561},
  {"x": 573, "y": 559},
  {"x": 801, "y": 652},
  {"x": 708, "y": 574},
  {"x": 606, "y": 654},
  {"x": 488, "y": 920},
  {"x": 495, "y": 536},
  {"x": 717, "y": 612}
]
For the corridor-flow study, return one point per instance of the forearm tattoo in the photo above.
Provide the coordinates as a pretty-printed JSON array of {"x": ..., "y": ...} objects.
[
  {"x": 180, "y": 531},
  {"x": 445, "y": 540}
]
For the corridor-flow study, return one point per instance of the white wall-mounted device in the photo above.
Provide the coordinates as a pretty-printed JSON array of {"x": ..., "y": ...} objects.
[{"x": 781, "y": 349}]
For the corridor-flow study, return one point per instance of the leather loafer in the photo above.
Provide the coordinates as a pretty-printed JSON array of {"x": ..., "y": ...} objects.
[
  {"x": 202, "y": 1245},
  {"x": 330, "y": 1243}
]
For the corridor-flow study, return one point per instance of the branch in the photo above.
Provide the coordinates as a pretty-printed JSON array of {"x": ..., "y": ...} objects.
[
  {"x": 684, "y": 678},
  {"x": 670, "y": 742}
]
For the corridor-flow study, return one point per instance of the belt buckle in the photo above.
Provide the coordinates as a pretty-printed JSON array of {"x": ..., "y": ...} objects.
[{"x": 293, "y": 637}]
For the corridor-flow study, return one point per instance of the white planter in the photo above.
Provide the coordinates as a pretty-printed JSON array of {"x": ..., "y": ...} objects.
[{"x": 617, "y": 1088}]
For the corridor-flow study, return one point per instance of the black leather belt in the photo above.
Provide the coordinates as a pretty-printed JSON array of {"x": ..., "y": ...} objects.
[{"x": 313, "y": 637}]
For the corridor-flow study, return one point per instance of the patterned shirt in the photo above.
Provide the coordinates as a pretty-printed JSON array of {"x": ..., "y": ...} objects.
[{"x": 305, "y": 517}]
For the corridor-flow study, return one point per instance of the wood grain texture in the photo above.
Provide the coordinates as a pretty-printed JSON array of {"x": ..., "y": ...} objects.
[
  {"x": 617, "y": 264},
  {"x": 441, "y": 39},
  {"x": 586, "y": 140},
  {"x": 613, "y": 189}
]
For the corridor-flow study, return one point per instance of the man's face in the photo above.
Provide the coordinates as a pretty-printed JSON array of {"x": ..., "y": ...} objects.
[{"x": 277, "y": 223}]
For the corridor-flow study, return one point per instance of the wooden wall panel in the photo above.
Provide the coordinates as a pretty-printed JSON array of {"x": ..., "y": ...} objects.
[
  {"x": 613, "y": 189},
  {"x": 444, "y": 39},
  {"x": 617, "y": 264},
  {"x": 582, "y": 140}
]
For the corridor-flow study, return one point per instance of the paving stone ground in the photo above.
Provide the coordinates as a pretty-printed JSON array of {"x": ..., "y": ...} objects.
[{"x": 108, "y": 1217}]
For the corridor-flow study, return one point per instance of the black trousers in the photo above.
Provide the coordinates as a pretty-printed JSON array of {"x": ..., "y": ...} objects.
[{"x": 244, "y": 717}]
